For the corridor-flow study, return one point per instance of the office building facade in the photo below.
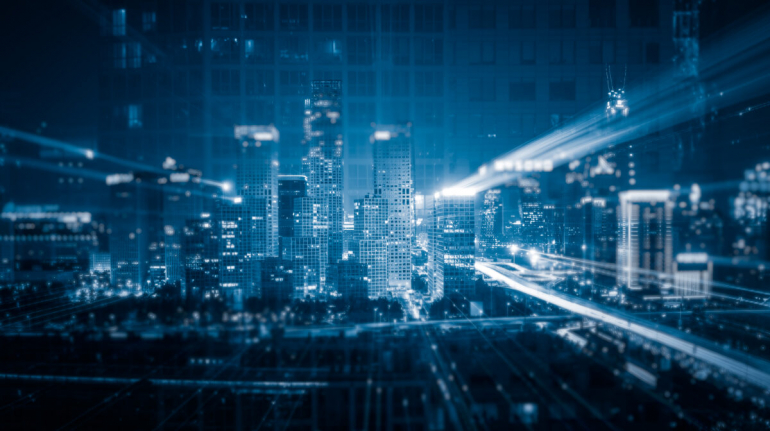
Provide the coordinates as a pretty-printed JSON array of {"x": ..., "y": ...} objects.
[
  {"x": 645, "y": 245},
  {"x": 392, "y": 148}
]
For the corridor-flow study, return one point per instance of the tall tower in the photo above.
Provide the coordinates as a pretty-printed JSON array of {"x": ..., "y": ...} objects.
[
  {"x": 308, "y": 249},
  {"x": 370, "y": 246},
  {"x": 238, "y": 265},
  {"x": 257, "y": 179},
  {"x": 645, "y": 246},
  {"x": 393, "y": 183},
  {"x": 455, "y": 245},
  {"x": 323, "y": 165},
  {"x": 290, "y": 187},
  {"x": 491, "y": 220}
]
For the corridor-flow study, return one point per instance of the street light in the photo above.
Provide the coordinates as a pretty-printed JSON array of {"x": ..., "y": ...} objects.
[{"x": 514, "y": 248}]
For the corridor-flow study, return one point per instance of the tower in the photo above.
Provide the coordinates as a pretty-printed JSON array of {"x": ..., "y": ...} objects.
[
  {"x": 645, "y": 246},
  {"x": 257, "y": 179},
  {"x": 323, "y": 165},
  {"x": 393, "y": 183}
]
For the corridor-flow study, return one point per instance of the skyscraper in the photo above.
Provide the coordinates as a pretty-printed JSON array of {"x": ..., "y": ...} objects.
[
  {"x": 239, "y": 270},
  {"x": 201, "y": 252},
  {"x": 370, "y": 246},
  {"x": 393, "y": 183},
  {"x": 308, "y": 249},
  {"x": 185, "y": 198},
  {"x": 323, "y": 165},
  {"x": 136, "y": 229},
  {"x": 290, "y": 187},
  {"x": 455, "y": 246},
  {"x": 645, "y": 246},
  {"x": 491, "y": 220},
  {"x": 257, "y": 178}
]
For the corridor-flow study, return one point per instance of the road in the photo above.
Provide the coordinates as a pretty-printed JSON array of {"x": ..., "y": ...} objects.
[{"x": 741, "y": 365}]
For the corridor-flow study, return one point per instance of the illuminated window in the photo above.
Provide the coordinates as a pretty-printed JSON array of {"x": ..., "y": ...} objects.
[
  {"x": 327, "y": 50},
  {"x": 149, "y": 21},
  {"x": 134, "y": 116},
  {"x": 119, "y": 22},
  {"x": 258, "y": 50},
  {"x": 224, "y": 50}
]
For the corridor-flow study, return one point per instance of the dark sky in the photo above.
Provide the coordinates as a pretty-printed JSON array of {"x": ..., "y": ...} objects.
[{"x": 49, "y": 68}]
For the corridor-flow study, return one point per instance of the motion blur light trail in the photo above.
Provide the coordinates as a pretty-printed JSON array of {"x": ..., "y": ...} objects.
[
  {"x": 741, "y": 365},
  {"x": 741, "y": 57},
  {"x": 88, "y": 154}
]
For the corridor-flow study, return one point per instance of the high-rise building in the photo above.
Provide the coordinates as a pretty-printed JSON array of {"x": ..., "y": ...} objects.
[
  {"x": 308, "y": 263},
  {"x": 352, "y": 277},
  {"x": 277, "y": 280},
  {"x": 290, "y": 187},
  {"x": 239, "y": 270},
  {"x": 137, "y": 237},
  {"x": 645, "y": 245},
  {"x": 185, "y": 198},
  {"x": 323, "y": 164},
  {"x": 370, "y": 247},
  {"x": 257, "y": 179},
  {"x": 533, "y": 226},
  {"x": 308, "y": 249},
  {"x": 393, "y": 182},
  {"x": 201, "y": 254},
  {"x": 455, "y": 246},
  {"x": 491, "y": 220}
]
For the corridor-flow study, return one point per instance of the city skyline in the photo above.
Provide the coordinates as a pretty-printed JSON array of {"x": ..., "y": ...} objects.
[{"x": 385, "y": 214}]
